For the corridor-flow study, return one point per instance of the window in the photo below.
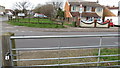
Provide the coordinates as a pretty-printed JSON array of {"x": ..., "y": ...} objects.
[
  {"x": 90, "y": 18},
  {"x": 73, "y": 8},
  {"x": 88, "y": 9},
  {"x": 99, "y": 9}
]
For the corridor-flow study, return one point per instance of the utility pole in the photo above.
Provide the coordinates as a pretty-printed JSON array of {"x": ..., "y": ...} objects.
[
  {"x": 97, "y": 1},
  {"x": 0, "y": 49},
  {"x": 80, "y": 11}
]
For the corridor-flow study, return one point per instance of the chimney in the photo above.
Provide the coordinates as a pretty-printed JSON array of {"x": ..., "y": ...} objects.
[{"x": 97, "y": 1}]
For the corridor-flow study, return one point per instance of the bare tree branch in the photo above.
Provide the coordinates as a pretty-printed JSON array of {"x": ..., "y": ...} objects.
[{"x": 24, "y": 5}]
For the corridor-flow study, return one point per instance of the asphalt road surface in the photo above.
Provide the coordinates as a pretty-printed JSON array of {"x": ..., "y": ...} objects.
[{"x": 42, "y": 43}]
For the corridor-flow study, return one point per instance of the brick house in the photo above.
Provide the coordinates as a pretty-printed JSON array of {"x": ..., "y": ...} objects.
[{"x": 90, "y": 10}]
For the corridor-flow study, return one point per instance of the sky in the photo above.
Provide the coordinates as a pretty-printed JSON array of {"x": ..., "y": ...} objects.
[{"x": 9, "y": 4}]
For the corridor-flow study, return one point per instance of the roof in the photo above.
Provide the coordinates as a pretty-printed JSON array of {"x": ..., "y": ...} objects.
[
  {"x": 2, "y": 6},
  {"x": 8, "y": 10},
  {"x": 113, "y": 7},
  {"x": 91, "y": 4},
  {"x": 107, "y": 12},
  {"x": 84, "y": 14}
]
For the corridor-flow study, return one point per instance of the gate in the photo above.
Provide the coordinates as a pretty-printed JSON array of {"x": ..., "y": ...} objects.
[{"x": 10, "y": 53}]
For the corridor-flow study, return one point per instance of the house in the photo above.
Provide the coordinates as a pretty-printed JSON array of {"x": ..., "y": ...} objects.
[
  {"x": 2, "y": 10},
  {"x": 9, "y": 12},
  {"x": 113, "y": 9},
  {"x": 90, "y": 10},
  {"x": 3, "y": 16},
  {"x": 30, "y": 12},
  {"x": 112, "y": 14}
]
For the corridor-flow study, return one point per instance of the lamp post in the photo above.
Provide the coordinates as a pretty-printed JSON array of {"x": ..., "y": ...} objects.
[{"x": 80, "y": 11}]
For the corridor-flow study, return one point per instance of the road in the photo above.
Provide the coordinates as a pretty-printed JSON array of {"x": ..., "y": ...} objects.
[{"x": 37, "y": 43}]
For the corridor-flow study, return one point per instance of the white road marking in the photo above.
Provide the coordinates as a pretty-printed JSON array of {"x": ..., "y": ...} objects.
[
  {"x": 17, "y": 30},
  {"x": 116, "y": 43},
  {"x": 16, "y": 26},
  {"x": 22, "y": 31},
  {"x": 8, "y": 27},
  {"x": 31, "y": 31}
]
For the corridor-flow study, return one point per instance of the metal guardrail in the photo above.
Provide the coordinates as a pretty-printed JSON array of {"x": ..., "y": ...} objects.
[
  {"x": 63, "y": 36},
  {"x": 75, "y": 47},
  {"x": 59, "y": 48},
  {"x": 62, "y": 58}
]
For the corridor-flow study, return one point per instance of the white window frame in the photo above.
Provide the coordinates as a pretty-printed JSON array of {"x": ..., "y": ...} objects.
[
  {"x": 99, "y": 9},
  {"x": 90, "y": 9},
  {"x": 74, "y": 8}
]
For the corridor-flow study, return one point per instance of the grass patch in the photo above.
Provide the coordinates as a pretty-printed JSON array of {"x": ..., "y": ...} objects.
[
  {"x": 34, "y": 22},
  {"x": 37, "y": 25},
  {"x": 73, "y": 24},
  {"x": 109, "y": 51},
  {"x": 69, "y": 25}
]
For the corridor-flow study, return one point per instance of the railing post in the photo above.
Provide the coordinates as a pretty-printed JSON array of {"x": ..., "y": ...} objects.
[
  {"x": 7, "y": 59},
  {"x": 59, "y": 45},
  {"x": 13, "y": 45},
  {"x": 0, "y": 52},
  {"x": 99, "y": 50}
]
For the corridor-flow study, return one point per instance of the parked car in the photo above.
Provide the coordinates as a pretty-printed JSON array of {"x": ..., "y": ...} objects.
[
  {"x": 99, "y": 20},
  {"x": 89, "y": 21},
  {"x": 111, "y": 24},
  {"x": 40, "y": 15},
  {"x": 2, "y": 13},
  {"x": 109, "y": 21}
]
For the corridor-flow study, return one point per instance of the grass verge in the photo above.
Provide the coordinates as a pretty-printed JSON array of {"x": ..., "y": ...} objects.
[
  {"x": 68, "y": 53},
  {"x": 108, "y": 51},
  {"x": 36, "y": 25},
  {"x": 35, "y": 20}
]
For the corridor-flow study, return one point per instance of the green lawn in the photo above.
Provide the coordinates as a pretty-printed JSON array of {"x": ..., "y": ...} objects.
[
  {"x": 35, "y": 22},
  {"x": 109, "y": 51}
]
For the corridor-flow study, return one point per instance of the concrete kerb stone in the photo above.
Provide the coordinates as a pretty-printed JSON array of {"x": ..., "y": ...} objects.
[{"x": 82, "y": 30}]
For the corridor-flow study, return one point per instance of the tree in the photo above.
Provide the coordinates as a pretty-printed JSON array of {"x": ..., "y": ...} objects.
[
  {"x": 37, "y": 8},
  {"x": 57, "y": 6},
  {"x": 60, "y": 13},
  {"x": 45, "y": 9},
  {"x": 16, "y": 11},
  {"x": 23, "y": 6}
]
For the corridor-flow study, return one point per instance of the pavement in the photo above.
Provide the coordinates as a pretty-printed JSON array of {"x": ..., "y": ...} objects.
[{"x": 10, "y": 28}]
